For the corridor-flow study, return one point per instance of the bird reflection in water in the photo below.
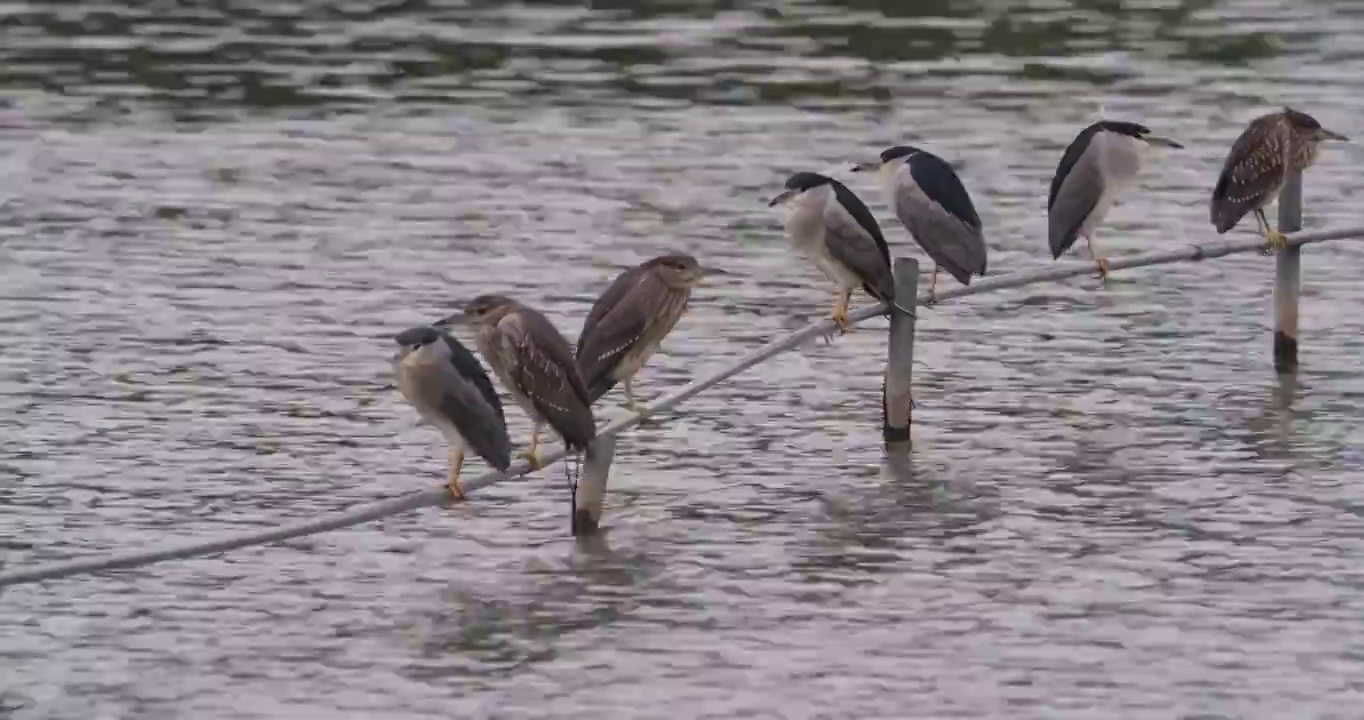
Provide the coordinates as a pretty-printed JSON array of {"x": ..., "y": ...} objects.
[{"x": 869, "y": 529}]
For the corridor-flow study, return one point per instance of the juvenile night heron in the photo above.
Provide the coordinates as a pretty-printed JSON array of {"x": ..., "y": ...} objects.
[
  {"x": 1101, "y": 163},
  {"x": 827, "y": 223},
  {"x": 450, "y": 390},
  {"x": 630, "y": 320},
  {"x": 1268, "y": 149},
  {"x": 935, "y": 208},
  {"x": 535, "y": 364}
]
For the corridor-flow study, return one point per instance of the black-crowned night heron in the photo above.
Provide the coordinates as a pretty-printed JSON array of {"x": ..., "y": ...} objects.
[
  {"x": 535, "y": 364},
  {"x": 630, "y": 320},
  {"x": 935, "y": 208},
  {"x": 827, "y": 223},
  {"x": 1259, "y": 162},
  {"x": 1101, "y": 163},
  {"x": 450, "y": 390}
]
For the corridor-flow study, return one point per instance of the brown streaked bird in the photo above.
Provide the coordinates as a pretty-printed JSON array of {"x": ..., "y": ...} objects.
[
  {"x": 1259, "y": 161},
  {"x": 629, "y": 321},
  {"x": 450, "y": 390},
  {"x": 535, "y": 364}
]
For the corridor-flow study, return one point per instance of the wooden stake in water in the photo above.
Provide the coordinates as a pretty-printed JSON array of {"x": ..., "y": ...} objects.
[
  {"x": 896, "y": 393},
  {"x": 1288, "y": 277},
  {"x": 591, "y": 494}
]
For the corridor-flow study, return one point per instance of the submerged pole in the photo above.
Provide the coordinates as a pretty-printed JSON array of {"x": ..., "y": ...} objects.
[
  {"x": 591, "y": 493},
  {"x": 896, "y": 393},
  {"x": 1288, "y": 277}
]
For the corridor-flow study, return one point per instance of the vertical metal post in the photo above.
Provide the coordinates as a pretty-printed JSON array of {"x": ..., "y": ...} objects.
[
  {"x": 896, "y": 396},
  {"x": 1288, "y": 277},
  {"x": 587, "y": 502}
]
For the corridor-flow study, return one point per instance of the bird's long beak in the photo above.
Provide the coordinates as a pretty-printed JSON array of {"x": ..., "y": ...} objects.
[
  {"x": 708, "y": 271},
  {"x": 1160, "y": 140},
  {"x": 783, "y": 197},
  {"x": 872, "y": 166},
  {"x": 1334, "y": 135}
]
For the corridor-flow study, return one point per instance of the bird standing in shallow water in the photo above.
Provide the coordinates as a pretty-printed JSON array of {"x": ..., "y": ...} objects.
[
  {"x": 1098, "y": 165},
  {"x": 535, "y": 364},
  {"x": 1259, "y": 161},
  {"x": 935, "y": 208},
  {"x": 630, "y": 320},
  {"x": 827, "y": 223},
  {"x": 450, "y": 390}
]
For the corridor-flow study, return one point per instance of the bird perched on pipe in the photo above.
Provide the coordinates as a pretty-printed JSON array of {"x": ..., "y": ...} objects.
[
  {"x": 1101, "y": 162},
  {"x": 828, "y": 224},
  {"x": 1268, "y": 149},
  {"x": 935, "y": 208},
  {"x": 535, "y": 364},
  {"x": 450, "y": 390},
  {"x": 630, "y": 320}
]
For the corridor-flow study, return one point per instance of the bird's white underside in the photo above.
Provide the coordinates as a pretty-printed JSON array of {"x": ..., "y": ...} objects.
[
  {"x": 1121, "y": 158},
  {"x": 406, "y": 386},
  {"x": 805, "y": 231}
]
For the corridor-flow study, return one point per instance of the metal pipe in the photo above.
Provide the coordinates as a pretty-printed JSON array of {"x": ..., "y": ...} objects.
[
  {"x": 439, "y": 496},
  {"x": 1288, "y": 277},
  {"x": 896, "y": 391}
]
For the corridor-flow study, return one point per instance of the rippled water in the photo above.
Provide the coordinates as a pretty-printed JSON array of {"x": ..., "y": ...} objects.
[{"x": 213, "y": 217}]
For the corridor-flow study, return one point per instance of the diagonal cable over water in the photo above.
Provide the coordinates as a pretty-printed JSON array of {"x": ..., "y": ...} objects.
[{"x": 439, "y": 496}]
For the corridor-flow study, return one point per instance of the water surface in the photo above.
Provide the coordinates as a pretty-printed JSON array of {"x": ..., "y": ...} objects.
[{"x": 212, "y": 219}]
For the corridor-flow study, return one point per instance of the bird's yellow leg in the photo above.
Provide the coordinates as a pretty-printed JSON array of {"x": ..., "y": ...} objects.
[
  {"x": 530, "y": 454},
  {"x": 1099, "y": 262},
  {"x": 631, "y": 403},
  {"x": 1275, "y": 239},
  {"x": 840, "y": 313},
  {"x": 456, "y": 464},
  {"x": 933, "y": 287}
]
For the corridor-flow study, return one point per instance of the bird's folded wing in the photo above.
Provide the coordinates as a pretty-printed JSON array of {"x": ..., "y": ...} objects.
[
  {"x": 850, "y": 243},
  {"x": 616, "y": 332},
  {"x": 1075, "y": 199},
  {"x": 460, "y": 400},
  {"x": 548, "y": 375}
]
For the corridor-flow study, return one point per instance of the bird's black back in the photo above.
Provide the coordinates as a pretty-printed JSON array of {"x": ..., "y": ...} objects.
[
  {"x": 468, "y": 366},
  {"x": 464, "y": 361},
  {"x": 862, "y": 215},
  {"x": 936, "y": 178},
  {"x": 1077, "y": 148}
]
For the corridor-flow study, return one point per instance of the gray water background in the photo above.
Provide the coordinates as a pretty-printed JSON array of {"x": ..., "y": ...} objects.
[{"x": 213, "y": 217}]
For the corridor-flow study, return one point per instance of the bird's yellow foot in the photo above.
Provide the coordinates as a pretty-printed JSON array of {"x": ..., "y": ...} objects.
[
  {"x": 840, "y": 318},
  {"x": 456, "y": 491},
  {"x": 1275, "y": 241},
  {"x": 1102, "y": 265},
  {"x": 532, "y": 457},
  {"x": 452, "y": 478}
]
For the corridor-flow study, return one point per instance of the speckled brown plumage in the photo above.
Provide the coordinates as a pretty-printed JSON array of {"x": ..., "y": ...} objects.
[{"x": 1259, "y": 161}]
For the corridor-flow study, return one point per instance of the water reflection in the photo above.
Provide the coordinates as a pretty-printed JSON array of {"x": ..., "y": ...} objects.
[
  {"x": 870, "y": 530},
  {"x": 519, "y": 623}
]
